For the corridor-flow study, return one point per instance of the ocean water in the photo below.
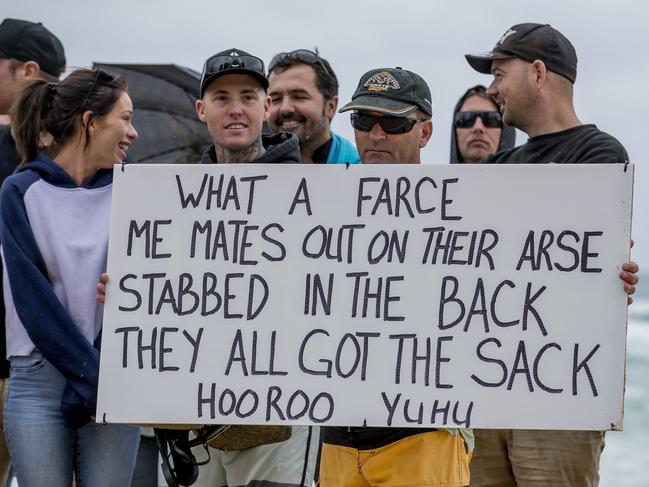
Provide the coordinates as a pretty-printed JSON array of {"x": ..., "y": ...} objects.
[{"x": 625, "y": 461}]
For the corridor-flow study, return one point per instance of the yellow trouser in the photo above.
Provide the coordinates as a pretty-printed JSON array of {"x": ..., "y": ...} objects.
[{"x": 434, "y": 458}]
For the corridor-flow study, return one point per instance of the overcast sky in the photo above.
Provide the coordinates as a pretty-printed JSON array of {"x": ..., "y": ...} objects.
[{"x": 429, "y": 38}]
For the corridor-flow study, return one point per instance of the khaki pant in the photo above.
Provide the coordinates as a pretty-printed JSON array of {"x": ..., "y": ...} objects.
[
  {"x": 289, "y": 463},
  {"x": 434, "y": 458},
  {"x": 535, "y": 458}
]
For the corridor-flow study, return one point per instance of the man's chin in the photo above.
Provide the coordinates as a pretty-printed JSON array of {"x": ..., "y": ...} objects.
[
  {"x": 235, "y": 145},
  {"x": 378, "y": 158},
  {"x": 475, "y": 156},
  {"x": 507, "y": 117},
  {"x": 294, "y": 129}
]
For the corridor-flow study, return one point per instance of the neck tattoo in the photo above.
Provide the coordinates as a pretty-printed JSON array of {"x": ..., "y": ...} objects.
[{"x": 249, "y": 154}]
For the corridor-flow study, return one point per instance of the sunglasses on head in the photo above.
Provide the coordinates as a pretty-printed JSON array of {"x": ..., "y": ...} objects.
[
  {"x": 219, "y": 63},
  {"x": 466, "y": 120},
  {"x": 101, "y": 78},
  {"x": 389, "y": 125},
  {"x": 303, "y": 55}
]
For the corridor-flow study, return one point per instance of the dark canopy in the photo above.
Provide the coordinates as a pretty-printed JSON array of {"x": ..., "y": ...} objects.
[{"x": 163, "y": 96}]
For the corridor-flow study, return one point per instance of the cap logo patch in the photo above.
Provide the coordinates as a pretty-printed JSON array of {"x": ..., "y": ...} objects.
[
  {"x": 505, "y": 36},
  {"x": 382, "y": 81},
  {"x": 234, "y": 53}
]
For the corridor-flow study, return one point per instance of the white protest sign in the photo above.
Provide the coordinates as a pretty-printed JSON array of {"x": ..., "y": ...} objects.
[{"x": 482, "y": 296}]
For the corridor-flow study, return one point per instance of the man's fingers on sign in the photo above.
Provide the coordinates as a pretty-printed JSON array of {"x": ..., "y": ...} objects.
[
  {"x": 629, "y": 278},
  {"x": 101, "y": 288}
]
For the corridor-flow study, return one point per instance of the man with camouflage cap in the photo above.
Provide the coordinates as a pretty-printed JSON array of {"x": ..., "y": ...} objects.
[{"x": 391, "y": 116}]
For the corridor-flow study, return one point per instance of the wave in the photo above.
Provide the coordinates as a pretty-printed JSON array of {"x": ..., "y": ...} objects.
[{"x": 639, "y": 310}]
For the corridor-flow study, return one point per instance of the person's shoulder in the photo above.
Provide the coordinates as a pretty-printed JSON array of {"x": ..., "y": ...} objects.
[
  {"x": 13, "y": 190},
  {"x": 28, "y": 173},
  {"x": 342, "y": 151},
  {"x": 281, "y": 148},
  {"x": 21, "y": 180},
  {"x": 601, "y": 146},
  {"x": 5, "y": 132},
  {"x": 343, "y": 141},
  {"x": 209, "y": 155},
  {"x": 350, "y": 152},
  {"x": 606, "y": 138},
  {"x": 503, "y": 157},
  {"x": 8, "y": 154}
]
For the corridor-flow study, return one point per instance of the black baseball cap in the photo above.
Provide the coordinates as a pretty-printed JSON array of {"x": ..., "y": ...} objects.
[
  {"x": 29, "y": 41},
  {"x": 530, "y": 42},
  {"x": 392, "y": 91},
  {"x": 233, "y": 61}
]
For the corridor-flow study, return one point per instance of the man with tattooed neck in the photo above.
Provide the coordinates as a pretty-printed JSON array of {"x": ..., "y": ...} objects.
[{"x": 234, "y": 105}]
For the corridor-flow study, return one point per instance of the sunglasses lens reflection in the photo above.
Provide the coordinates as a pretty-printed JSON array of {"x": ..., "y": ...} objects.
[
  {"x": 389, "y": 125},
  {"x": 222, "y": 63},
  {"x": 466, "y": 120}
]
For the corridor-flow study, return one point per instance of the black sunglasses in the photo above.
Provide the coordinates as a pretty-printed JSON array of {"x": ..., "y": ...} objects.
[
  {"x": 389, "y": 125},
  {"x": 466, "y": 120},
  {"x": 101, "y": 78},
  {"x": 303, "y": 55},
  {"x": 219, "y": 63}
]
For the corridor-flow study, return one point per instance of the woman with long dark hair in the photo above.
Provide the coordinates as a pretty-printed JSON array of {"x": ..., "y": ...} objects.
[{"x": 54, "y": 222}]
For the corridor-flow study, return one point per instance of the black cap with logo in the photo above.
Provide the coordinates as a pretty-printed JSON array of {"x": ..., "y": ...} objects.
[
  {"x": 530, "y": 42},
  {"x": 29, "y": 41},
  {"x": 233, "y": 61},
  {"x": 392, "y": 91}
]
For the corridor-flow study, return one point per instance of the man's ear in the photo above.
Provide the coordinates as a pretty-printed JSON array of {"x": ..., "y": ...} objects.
[
  {"x": 31, "y": 70},
  {"x": 539, "y": 72},
  {"x": 331, "y": 105},
  {"x": 267, "y": 103},
  {"x": 200, "y": 110},
  {"x": 426, "y": 133}
]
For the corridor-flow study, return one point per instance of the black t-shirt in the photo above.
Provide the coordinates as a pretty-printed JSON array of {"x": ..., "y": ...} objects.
[
  {"x": 321, "y": 153},
  {"x": 8, "y": 155},
  {"x": 8, "y": 162},
  {"x": 582, "y": 144},
  {"x": 368, "y": 438}
]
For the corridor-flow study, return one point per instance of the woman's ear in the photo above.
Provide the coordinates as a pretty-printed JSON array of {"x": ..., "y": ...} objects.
[{"x": 87, "y": 120}]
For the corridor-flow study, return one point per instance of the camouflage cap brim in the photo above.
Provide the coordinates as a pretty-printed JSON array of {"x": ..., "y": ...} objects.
[{"x": 380, "y": 104}]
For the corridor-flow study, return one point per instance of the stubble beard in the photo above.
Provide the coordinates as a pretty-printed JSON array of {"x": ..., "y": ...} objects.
[
  {"x": 313, "y": 138},
  {"x": 473, "y": 157}
]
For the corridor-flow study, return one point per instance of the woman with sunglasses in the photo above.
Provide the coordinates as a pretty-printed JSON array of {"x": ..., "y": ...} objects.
[
  {"x": 478, "y": 130},
  {"x": 54, "y": 222}
]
